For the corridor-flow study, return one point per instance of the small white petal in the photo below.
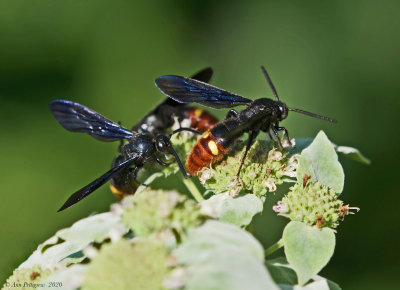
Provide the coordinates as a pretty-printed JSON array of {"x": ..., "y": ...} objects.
[
  {"x": 275, "y": 155},
  {"x": 206, "y": 174},
  {"x": 90, "y": 252},
  {"x": 270, "y": 184}
]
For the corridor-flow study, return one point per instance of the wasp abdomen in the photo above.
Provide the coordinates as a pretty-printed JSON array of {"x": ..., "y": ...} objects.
[
  {"x": 201, "y": 120},
  {"x": 206, "y": 152},
  {"x": 123, "y": 183},
  {"x": 120, "y": 191}
]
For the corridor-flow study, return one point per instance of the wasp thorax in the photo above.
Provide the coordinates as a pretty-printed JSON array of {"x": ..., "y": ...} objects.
[{"x": 141, "y": 144}]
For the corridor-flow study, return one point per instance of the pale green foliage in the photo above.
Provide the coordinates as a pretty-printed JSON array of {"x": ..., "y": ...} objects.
[
  {"x": 151, "y": 211},
  {"x": 307, "y": 248},
  {"x": 320, "y": 161},
  {"x": 26, "y": 276},
  {"x": 238, "y": 211},
  {"x": 127, "y": 265},
  {"x": 311, "y": 204},
  {"x": 66, "y": 245},
  {"x": 286, "y": 278},
  {"x": 345, "y": 151},
  {"x": 263, "y": 169},
  {"x": 221, "y": 256},
  {"x": 353, "y": 153}
]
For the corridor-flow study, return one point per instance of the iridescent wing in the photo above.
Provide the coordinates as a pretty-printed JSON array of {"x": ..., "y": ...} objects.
[{"x": 77, "y": 118}]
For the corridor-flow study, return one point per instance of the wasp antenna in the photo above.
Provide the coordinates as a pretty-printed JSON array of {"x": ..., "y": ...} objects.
[
  {"x": 313, "y": 115},
  {"x": 270, "y": 82}
]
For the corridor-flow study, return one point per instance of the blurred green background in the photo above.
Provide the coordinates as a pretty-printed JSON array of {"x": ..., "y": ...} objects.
[{"x": 339, "y": 59}]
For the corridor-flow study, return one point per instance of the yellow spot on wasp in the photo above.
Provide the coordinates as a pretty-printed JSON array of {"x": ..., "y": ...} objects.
[
  {"x": 198, "y": 112},
  {"x": 213, "y": 147},
  {"x": 206, "y": 134},
  {"x": 118, "y": 193}
]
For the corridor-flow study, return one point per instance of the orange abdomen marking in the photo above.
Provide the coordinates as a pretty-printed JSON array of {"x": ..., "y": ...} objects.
[
  {"x": 206, "y": 152},
  {"x": 201, "y": 120},
  {"x": 120, "y": 190}
]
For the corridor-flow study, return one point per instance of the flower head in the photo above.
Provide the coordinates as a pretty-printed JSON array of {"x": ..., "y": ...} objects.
[
  {"x": 311, "y": 203},
  {"x": 262, "y": 171}
]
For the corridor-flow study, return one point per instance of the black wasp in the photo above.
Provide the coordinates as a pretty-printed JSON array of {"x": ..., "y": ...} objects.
[
  {"x": 260, "y": 115},
  {"x": 144, "y": 144}
]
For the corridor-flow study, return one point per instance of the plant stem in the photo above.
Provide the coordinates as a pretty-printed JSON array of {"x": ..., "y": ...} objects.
[
  {"x": 193, "y": 189},
  {"x": 274, "y": 247}
]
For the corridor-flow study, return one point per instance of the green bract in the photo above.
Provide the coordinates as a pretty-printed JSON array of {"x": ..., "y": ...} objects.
[
  {"x": 263, "y": 169},
  {"x": 312, "y": 204},
  {"x": 151, "y": 211},
  {"x": 308, "y": 249},
  {"x": 238, "y": 211},
  {"x": 320, "y": 161}
]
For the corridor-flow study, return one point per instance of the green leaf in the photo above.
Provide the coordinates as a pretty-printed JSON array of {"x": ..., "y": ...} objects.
[
  {"x": 66, "y": 278},
  {"x": 353, "y": 153},
  {"x": 321, "y": 162},
  {"x": 65, "y": 245},
  {"x": 285, "y": 276},
  {"x": 301, "y": 143},
  {"x": 350, "y": 152},
  {"x": 281, "y": 272},
  {"x": 95, "y": 228},
  {"x": 222, "y": 256},
  {"x": 238, "y": 211},
  {"x": 307, "y": 249}
]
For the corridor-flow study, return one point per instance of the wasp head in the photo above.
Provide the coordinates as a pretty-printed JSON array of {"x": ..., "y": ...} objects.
[{"x": 163, "y": 144}]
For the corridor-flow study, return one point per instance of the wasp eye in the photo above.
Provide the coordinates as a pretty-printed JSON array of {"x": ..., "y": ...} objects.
[{"x": 283, "y": 110}]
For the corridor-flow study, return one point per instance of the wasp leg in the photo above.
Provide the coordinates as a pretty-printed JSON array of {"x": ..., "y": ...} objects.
[
  {"x": 270, "y": 139},
  {"x": 172, "y": 150},
  {"x": 163, "y": 163},
  {"x": 252, "y": 136},
  {"x": 178, "y": 160},
  {"x": 285, "y": 133},
  {"x": 185, "y": 129},
  {"x": 270, "y": 136},
  {"x": 232, "y": 114},
  {"x": 277, "y": 136}
]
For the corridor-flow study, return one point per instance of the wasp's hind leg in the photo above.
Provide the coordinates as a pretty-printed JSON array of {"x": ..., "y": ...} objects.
[{"x": 252, "y": 137}]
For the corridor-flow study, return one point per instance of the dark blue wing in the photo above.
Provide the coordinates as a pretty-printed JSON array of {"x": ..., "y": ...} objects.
[
  {"x": 203, "y": 76},
  {"x": 185, "y": 90},
  {"x": 77, "y": 118},
  {"x": 161, "y": 115},
  {"x": 88, "y": 189}
]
